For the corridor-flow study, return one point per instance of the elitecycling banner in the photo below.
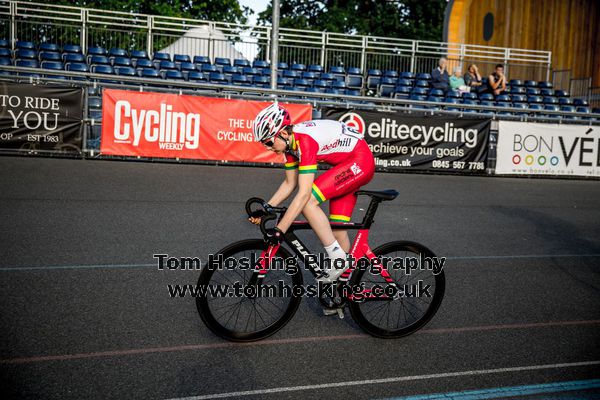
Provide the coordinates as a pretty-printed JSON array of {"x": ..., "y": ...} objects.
[
  {"x": 46, "y": 118},
  {"x": 424, "y": 143},
  {"x": 548, "y": 149},
  {"x": 180, "y": 126}
]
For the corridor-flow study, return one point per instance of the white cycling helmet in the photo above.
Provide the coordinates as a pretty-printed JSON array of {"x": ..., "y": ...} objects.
[{"x": 269, "y": 122}]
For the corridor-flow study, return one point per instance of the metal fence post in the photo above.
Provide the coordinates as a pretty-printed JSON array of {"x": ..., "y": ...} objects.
[
  {"x": 549, "y": 65},
  {"x": 275, "y": 46},
  {"x": 13, "y": 24},
  {"x": 83, "y": 40},
  {"x": 506, "y": 58},
  {"x": 323, "y": 40},
  {"x": 149, "y": 44},
  {"x": 363, "y": 54},
  {"x": 412, "y": 56}
]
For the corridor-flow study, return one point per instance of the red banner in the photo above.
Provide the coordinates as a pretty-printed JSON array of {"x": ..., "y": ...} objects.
[{"x": 173, "y": 126}]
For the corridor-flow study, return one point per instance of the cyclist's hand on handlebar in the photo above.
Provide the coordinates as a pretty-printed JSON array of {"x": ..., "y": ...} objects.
[
  {"x": 273, "y": 235},
  {"x": 254, "y": 220}
]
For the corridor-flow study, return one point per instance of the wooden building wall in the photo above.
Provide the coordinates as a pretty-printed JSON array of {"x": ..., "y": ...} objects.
[{"x": 568, "y": 28}]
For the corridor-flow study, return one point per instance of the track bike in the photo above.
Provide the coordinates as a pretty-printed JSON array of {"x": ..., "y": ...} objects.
[{"x": 376, "y": 288}]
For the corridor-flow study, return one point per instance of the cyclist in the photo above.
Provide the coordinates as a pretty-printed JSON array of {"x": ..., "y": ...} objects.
[{"x": 304, "y": 145}]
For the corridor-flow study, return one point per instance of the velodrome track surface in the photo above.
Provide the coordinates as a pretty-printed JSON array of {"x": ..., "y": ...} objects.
[{"x": 84, "y": 313}]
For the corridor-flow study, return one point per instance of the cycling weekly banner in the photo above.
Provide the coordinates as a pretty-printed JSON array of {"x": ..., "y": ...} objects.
[
  {"x": 177, "y": 126},
  {"x": 44, "y": 118},
  {"x": 432, "y": 143},
  {"x": 548, "y": 149}
]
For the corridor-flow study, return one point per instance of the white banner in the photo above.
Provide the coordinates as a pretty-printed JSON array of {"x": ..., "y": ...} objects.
[{"x": 526, "y": 148}]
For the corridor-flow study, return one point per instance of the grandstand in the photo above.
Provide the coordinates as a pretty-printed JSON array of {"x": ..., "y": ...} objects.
[{"x": 99, "y": 49}]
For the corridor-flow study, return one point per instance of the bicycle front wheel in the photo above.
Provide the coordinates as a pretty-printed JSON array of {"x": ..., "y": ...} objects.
[
  {"x": 243, "y": 317},
  {"x": 417, "y": 296}
]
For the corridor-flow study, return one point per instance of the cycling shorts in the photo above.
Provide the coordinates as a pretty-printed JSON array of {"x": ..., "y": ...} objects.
[{"x": 339, "y": 183}]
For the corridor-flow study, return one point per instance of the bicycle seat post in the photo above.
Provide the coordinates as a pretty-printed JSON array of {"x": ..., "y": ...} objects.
[{"x": 370, "y": 214}]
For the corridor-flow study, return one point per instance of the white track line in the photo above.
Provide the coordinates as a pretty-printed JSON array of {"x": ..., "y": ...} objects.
[{"x": 387, "y": 380}]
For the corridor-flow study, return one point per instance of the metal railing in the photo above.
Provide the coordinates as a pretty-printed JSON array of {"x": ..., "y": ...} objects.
[{"x": 43, "y": 22}]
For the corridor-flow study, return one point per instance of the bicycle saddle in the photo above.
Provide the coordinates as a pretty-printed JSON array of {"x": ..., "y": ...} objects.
[{"x": 389, "y": 194}]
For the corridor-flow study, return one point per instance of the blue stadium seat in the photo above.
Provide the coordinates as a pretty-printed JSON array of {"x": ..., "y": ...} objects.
[
  {"x": 125, "y": 71},
  {"x": 196, "y": 76},
  {"x": 137, "y": 54},
  {"x": 551, "y": 107},
  {"x": 291, "y": 74},
  {"x": 103, "y": 69},
  {"x": 339, "y": 85},
  {"x": 72, "y": 48},
  {"x": 453, "y": 94},
  {"x": 115, "y": 52},
  {"x": 503, "y": 98},
  {"x": 550, "y": 100},
  {"x": 174, "y": 74},
  {"x": 73, "y": 57},
  {"x": 315, "y": 90},
  {"x": 5, "y": 61},
  {"x": 242, "y": 63},
  {"x": 373, "y": 81},
  {"x": 337, "y": 70},
  {"x": 4, "y": 43},
  {"x": 25, "y": 45},
  {"x": 51, "y": 47},
  {"x": 241, "y": 80},
  {"x": 517, "y": 90},
  {"x": 251, "y": 71},
  {"x": 531, "y": 83},
  {"x": 436, "y": 99},
  {"x": 503, "y": 104},
  {"x": 515, "y": 82},
  {"x": 282, "y": 66},
  {"x": 310, "y": 75},
  {"x": 486, "y": 97},
  {"x": 468, "y": 95},
  {"x": 315, "y": 68},
  {"x": 407, "y": 75},
  {"x": 27, "y": 63},
  {"x": 424, "y": 77},
  {"x": 187, "y": 67},
  {"x": 298, "y": 67},
  {"x": 354, "y": 71},
  {"x": 260, "y": 64},
  {"x": 437, "y": 92},
  {"x": 545, "y": 85},
  {"x": 487, "y": 103},
  {"x": 231, "y": 70},
  {"x": 167, "y": 65},
  {"x": 580, "y": 103},
  {"x": 354, "y": 82},
  {"x": 144, "y": 63},
  {"x": 561, "y": 93},
  {"x": 583, "y": 109},
  {"x": 283, "y": 82},
  {"x": 55, "y": 65},
  {"x": 391, "y": 74},
  {"x": 94, "y": 102},
  {"x": 122, "y": 62},
  {"x": 301, "y": 83},
  {"x": 158, "y": 56},
  {"x": 533, "y": 91},
  {"x": 451, "y": 100},
  {"x": 404, "y": 82},
  {"x": 99, "y": 60},
  {"x": 546, "y": 92},
  {"x": 386, "y": 86},
  {"x": 216, "y": 77},
  {"x": 327, "y": 76},
  {"x": 352, "y": 92},
  {"x": 201, "y": 60},
  {"x": 320, "y": 84},
  {"x": 421, "y": 91},
  {"x": 565, "y": 101},
  {"x": 534, "y": 99},
  {"x": 374, "y": 72},
  {"x": 97, "y": 51},
  {"x": 26, "y": 54},
  {"x": 222, "y": 61},
  {"x": 77, "y": 67},
  {"x": 6, "y": 53},
  {"x": 208, "y": 68},
  {"x": 262, "y": 81},
  {"x": 181, "y": 58},
  {"x": 417, "y": 97},
  {"x": 402, "y": 92},
  {"x": 332, "y": 91},
  {"x": 519, "y": 98},
  {"x": 472, "y": 102},
  {"x": 150, "y": 73},
  {"x": 50, "y": 56},
  {"x": 567, "y": 108},
  {"x": 422, "y": 83}
]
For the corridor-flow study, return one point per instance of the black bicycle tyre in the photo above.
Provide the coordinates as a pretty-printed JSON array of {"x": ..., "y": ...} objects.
[
  {"x": 377, "y": 331},
  {"x": 211, "y": 322}
]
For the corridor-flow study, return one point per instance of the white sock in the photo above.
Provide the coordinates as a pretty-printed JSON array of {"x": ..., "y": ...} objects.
[{"x": 334, "y": 251}]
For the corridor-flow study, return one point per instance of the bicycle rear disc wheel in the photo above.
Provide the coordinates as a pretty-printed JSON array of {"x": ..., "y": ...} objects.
[
  {"x": 404, "y": 314},
  {"x": 242, "y": 318}
]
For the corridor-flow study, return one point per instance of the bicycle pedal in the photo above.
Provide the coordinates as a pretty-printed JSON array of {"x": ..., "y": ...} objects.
[{"x": 334, "y": 311}]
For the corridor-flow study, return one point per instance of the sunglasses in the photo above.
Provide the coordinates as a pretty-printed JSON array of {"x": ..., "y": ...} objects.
[{"x": 270, "y": 142}]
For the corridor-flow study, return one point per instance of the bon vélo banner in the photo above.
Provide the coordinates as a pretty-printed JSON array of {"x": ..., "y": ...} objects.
[
  {"x": 526, "y": 148},
  {"x": 431, "y": 143},
  {"x": 39, "y": 117},
  {"x": 181, "y": 126}
]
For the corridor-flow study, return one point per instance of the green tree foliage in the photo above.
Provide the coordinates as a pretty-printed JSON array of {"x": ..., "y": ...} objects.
[{"x": 406, "y": 19}]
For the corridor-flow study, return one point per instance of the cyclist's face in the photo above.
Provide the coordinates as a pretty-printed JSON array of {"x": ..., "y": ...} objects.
[{"x": 276, "y": 144}]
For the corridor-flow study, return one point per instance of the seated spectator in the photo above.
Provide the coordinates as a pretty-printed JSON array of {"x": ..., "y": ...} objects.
[
  {"x": 473, "y": 79},
  {"x": 457, "y": 82},
  {"x": 497, "y": 80},
  {"x": 439, "y": 76}
]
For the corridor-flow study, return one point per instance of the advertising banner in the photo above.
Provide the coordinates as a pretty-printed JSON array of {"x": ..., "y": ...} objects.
[
  {"x": 47, "y": 118},
  {"x": 423, "y": 143},
  {"x": 548, "y": 149},
  {"x": 177, "y": 126}
]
